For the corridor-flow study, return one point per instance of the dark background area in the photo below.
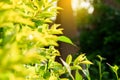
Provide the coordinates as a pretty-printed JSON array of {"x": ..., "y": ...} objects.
[{"x": 100, "y": 35}]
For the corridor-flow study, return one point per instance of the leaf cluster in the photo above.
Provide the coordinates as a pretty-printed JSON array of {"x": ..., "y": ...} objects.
[
  {"x": 24, "y": 32},
  {"x": 28, "y": 38}
]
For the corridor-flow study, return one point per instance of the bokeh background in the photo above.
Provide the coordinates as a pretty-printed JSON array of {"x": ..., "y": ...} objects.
[{"x": 94, "y": 26}]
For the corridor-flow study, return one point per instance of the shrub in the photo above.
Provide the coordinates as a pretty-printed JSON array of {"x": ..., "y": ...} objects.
[{"x": 27, "y": 43}]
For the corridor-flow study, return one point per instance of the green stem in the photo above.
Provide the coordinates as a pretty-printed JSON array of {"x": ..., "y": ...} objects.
[
  {"x": 100, "y": 74},
  {"x": 116, "y": 75}
]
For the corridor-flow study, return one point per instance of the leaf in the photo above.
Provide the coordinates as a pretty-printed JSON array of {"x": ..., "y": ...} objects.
[
  {"x": 86, "y": 62},
  {"x": 65, "y": 39},
  {"x": 79, "y": 59},
  {"x": 66, "y": 66},
  {"x": 101, "y": 58},
  {"x": 86, "y": 73},
  {"x": 75, "y": 67},
  {"x": 114, "y": 68},
  {"x": 54, "y": 30},
  {"x": 78, "y": 76},
  {"x": 69, "y": 59}
]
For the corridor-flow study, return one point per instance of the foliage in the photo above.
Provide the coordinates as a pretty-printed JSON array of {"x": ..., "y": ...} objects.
[
  {"x": 24, "y": 34},
  {"x": 99, "y": 71},
  {"x": 77, "y": 65},
  {"x": 28, "y": 38},
  {"x": 115, "y": 70},
  {"x": 102, "y": 35}
]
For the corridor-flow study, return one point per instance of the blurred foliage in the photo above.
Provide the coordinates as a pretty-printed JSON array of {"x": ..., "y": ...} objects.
[
  {"x": 24, "y": 32},
  {"x": 28, "y": 38},
  {"x": 102, "y": 35},
  {"x": 83, "y": 16},
  {"x": 118, "y": 1}
]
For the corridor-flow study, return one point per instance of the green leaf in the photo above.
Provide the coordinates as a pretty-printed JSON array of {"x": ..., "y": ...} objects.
[
  {"x": 65, "y": 39},
  {"x": 86, "y": 62},
  {"x": 114, "y": 68},
  {"x": 79, "y": 59},
  {"x": 78, "y": 76},
  {"x": 76, "y": 67},
  {"x": 101, "y": 58},
  {"x": 69, "y": 59},
  {"x": 54, "y": 30}
]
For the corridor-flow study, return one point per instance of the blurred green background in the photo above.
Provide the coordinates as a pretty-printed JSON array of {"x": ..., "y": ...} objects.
[{"x": 99, "y": 34}]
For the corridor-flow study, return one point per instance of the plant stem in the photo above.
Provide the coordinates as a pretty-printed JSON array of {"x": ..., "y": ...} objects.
[
  {"x": 116, "y": 75},
  {"x": 100, "y": 74},
  {"x": 72, "y": 77}
]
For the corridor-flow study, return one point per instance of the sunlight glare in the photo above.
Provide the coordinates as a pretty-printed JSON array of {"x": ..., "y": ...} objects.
[
  {"x": 85, "y": 5},
  {"x": 79, "y": 4},
  {"x": 74, "y": 4},
  {"x": 90, "y": 10}
]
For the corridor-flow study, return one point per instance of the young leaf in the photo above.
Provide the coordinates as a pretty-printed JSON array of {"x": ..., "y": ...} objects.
[
  {"x": 69, "y": 59},
  {"x": 114, "y": 69},
  {"x": 86, "y": 62},
  {"x": 65, "y": 39},
  {"x": 76, "y": 67},
  {"x": 79, "y": 59},
  {"x": 78, "y": 76}
]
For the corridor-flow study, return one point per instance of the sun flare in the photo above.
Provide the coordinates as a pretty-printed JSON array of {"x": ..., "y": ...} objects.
[{"x": 78, "y": 4}]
